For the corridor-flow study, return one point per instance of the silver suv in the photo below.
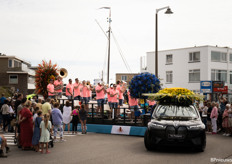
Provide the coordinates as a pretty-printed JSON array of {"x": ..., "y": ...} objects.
[{"x": 175, "y": 125}]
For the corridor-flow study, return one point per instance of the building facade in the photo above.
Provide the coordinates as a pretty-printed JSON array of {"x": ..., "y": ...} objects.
[
  {"x": 186, "y": 67},
  {"x": 125, "y": 76},
  {"x": 16, "y": 74}
]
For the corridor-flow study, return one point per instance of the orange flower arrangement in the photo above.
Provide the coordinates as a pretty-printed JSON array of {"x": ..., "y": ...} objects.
[{"x": 43, "y": 74}]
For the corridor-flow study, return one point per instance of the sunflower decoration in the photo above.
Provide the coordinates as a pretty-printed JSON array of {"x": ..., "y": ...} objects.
[
  {"x": 175, "y": 96},
  {"x": 43, "y": 74}
]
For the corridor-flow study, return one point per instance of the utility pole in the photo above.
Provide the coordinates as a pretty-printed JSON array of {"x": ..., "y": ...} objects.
[
  {"x": 108, "y": 66},
  {"x": 109, "y": 32}
]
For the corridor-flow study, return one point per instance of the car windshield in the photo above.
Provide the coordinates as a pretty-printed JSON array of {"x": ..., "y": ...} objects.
[{"x": 175, "y": 112}]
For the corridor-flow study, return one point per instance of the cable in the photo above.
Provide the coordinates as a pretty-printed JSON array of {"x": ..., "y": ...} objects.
[
  {"x": 121, "y": 53},
  {"x": 101, "y": 28}
]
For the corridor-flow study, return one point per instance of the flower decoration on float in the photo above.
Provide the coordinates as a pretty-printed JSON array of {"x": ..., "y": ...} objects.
[
  {"x": 144, "y": 83},
  {"x": 43, "y": 74},
  {"x": 175, "y": 96}
]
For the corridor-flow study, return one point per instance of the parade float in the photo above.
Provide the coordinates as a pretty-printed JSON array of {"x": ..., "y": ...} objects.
[
  {"x": 43, "y": 74},
  {"x": 175, "y": 120},
  {"x": 143, "y": 83}
]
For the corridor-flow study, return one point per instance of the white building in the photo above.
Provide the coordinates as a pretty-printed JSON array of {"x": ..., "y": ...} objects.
[{"x": 186, "y": 67}]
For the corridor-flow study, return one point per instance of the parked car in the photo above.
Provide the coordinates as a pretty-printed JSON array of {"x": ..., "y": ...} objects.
[{"x": 173, "y": 125}]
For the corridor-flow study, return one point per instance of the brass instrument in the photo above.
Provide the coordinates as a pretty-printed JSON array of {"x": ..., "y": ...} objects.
[{"x": 63, "y": 73}]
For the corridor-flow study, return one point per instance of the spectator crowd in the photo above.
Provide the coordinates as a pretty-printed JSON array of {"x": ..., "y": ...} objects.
[{"x": 36, "y": 120}]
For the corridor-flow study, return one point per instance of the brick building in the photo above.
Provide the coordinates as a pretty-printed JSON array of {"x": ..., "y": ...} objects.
[
  {"x": 125, "y": 76},
  {"x": 16, "y": 74}
]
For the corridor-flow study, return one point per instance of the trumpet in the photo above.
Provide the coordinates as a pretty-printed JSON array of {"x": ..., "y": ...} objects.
[{"x": 63, "y": 73}]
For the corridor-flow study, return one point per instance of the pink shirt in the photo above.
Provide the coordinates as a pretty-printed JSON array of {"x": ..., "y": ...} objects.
[
  {"x": 100, "y": 95},
  {"x": 132, "y": 101},
  {"x": 214, "y": 113},
  {"x": 85, "y": 91},
  {"x": 50, "y": 88},
  {"x": 151, "y": 103},
  {"x": 70, "y": 86},
  {"x": 77, "y": 91},
  {"x": 119, "y": 90},
  {"x": 56, "y": 83},
  {"x": 114, "y": 99},
  {"x": 89, "y": 94},
  {"x": 108, "y": 94}
]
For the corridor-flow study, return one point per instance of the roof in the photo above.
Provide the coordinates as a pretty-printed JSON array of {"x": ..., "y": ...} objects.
[
  {"x": 17, "y": 72},
  {"x": 14, "y": 57},
  {"x": 189, "y": 48},
  {"x": 127, "y": 73}
]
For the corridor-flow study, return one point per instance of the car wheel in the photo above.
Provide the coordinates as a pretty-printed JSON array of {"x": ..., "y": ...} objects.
[{"x": 147, "y": 141}]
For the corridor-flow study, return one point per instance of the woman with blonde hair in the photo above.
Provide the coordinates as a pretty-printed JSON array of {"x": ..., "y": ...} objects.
[
  {"x": 26, "y": 126},
  {"x": 214, "y": 116},
  {"x": 45, "y": 129},
  {"x": 67, "y": 110}
]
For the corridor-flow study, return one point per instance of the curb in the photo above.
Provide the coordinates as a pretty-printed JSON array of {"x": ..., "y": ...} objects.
[{"x": 112, "y": 129}]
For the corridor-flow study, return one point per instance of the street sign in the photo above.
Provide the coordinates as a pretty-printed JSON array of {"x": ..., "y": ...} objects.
[
  {"x": 218, "y": 84},
  {"x": 206, "y": 86},
  {"x": 223, "y": 90}
]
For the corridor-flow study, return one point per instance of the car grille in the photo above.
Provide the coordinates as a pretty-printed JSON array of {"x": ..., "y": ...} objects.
[{"x": 177, "y": 133}]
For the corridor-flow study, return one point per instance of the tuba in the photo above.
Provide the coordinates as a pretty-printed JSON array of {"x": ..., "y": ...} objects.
[{"x": 63, "y": 73}]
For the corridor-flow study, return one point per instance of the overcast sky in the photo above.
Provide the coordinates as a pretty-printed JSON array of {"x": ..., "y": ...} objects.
[{"x": 66, "y": 32}]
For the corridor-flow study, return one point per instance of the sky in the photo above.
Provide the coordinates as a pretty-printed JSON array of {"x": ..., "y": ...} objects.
[{"x": 66, "y": 31}]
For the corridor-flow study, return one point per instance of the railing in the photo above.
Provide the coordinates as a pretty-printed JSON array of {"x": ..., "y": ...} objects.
[{"x": 139, "y": 118}]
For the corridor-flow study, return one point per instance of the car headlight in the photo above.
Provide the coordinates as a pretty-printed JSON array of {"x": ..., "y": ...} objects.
[
  {"x": 155, "y": 125},
  {"x": 202, "y": 126}
]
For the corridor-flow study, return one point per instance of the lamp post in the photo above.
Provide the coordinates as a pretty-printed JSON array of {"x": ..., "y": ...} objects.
[
  {"x": 109, "y": 31},
  {"x": 168, "y": 11}
]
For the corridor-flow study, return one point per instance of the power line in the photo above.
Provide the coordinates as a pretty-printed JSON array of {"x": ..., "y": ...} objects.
[{"x": 121, "y": 54}]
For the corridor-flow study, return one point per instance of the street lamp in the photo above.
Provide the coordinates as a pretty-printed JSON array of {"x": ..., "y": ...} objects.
[
  {"x": 108, "y": 65},
  {"x": 168, "y": 11}
]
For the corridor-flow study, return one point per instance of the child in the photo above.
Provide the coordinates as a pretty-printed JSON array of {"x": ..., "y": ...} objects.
[
  {"x": 45, "y": 129},
  {"x": 83, "y": 118},
  {"x": 75, "y": 114},
  {"x": 36, "y": 134},
  {"x": 3, "y": 143}
]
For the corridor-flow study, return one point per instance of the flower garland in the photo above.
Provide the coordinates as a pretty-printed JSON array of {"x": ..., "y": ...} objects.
[
  {"x": 177, "y": 96},
  {"x": 144, "y": 83},
  {"x": 43, "y": 74}
]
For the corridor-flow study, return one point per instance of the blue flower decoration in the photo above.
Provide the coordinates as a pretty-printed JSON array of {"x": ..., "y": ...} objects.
[{"x": 144, "y": 83}]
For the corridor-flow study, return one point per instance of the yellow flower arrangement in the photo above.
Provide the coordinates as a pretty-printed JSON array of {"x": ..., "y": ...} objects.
[{"x": 175, "y": 96}]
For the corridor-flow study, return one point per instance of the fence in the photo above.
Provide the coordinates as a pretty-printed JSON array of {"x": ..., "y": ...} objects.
[{"x": 109, "y": 117}]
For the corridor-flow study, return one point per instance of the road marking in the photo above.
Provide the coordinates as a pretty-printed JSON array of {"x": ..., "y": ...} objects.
[{"x": 11, "y": 136}]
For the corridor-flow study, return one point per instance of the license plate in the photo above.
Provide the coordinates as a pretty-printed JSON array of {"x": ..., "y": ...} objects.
[{"x": 177, "y": 136}]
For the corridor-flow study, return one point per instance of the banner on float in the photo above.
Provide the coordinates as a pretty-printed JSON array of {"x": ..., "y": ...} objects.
[{"x": 125, "y": 130}]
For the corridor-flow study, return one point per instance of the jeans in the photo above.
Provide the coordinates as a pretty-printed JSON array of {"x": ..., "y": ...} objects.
[
  {"x": 204, "y": 120},
  {"x": 6, "y": 120},
  {"x": 0, "y": 119},
  {"x": 60, "y": 127}
]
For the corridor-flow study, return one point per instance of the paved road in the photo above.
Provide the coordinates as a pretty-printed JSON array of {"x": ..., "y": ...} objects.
[{"x": 102, "y": 148}]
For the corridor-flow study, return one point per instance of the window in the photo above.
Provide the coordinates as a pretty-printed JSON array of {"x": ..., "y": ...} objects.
[
  {"x": 169, "y": 59},
  {"x": 230, "y": 77},
  {"x": 218, "y": 75},
  {"x": 169, "y": 77},
  {"x": 10, "y": 63},
  {"x": 194, "y": 56},
  {"x": 194, "y": 75},
  {"x": 17, "y": 64},
  {"x": 13, "y": 79},
  {"x": 218, "y": 56},
  {"x": 230, "y": 57},
  {"x": 124, "y": 78}
]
